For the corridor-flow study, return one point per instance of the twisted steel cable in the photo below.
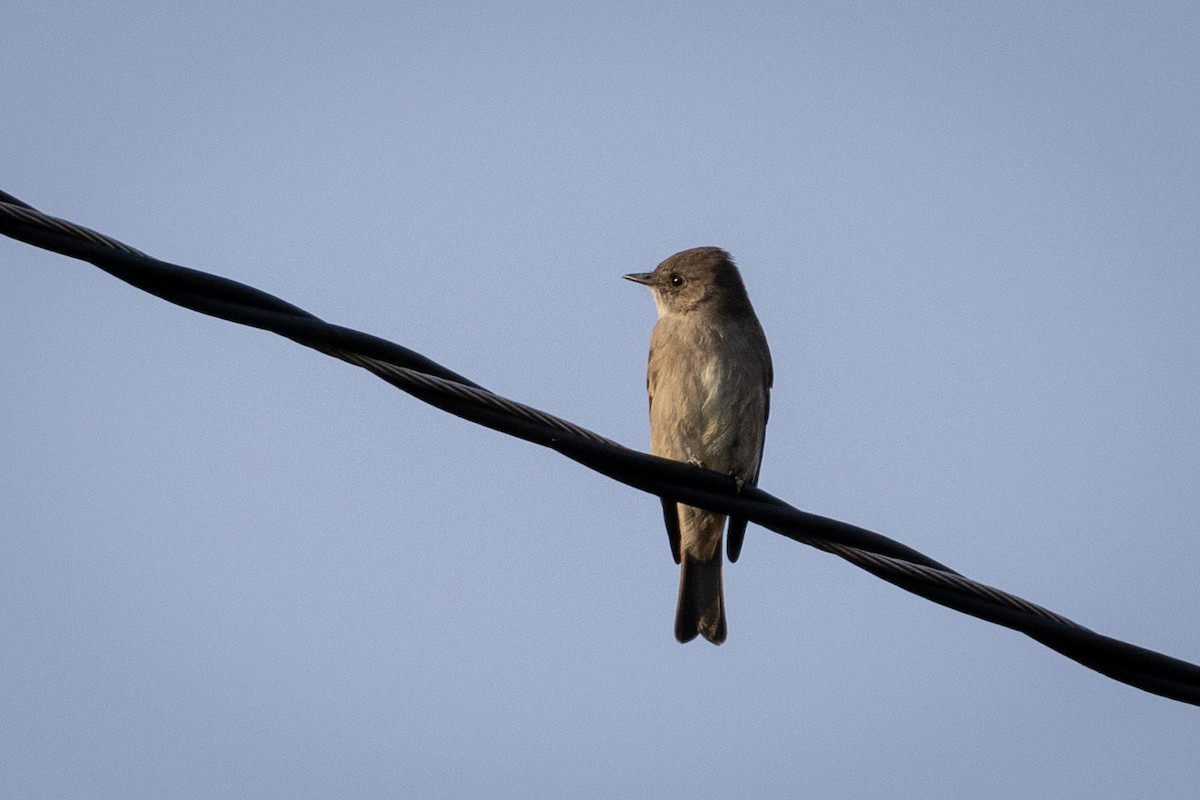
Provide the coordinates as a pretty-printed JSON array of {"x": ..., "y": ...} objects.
[{"x": 434, "y": 384}]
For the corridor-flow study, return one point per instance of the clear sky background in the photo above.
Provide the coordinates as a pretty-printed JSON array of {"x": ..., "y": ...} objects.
[{"x": 233, "y": 567}]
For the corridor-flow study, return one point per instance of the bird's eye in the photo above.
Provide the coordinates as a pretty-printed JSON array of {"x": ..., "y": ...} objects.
[{"x": 676, "y": 281}]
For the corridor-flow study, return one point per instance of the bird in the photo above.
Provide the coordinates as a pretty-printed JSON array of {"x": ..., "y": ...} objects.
[{"x": 709, "y": 378}]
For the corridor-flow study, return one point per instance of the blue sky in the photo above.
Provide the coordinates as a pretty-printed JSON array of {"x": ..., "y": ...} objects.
[{"x": 233, "y": 567}]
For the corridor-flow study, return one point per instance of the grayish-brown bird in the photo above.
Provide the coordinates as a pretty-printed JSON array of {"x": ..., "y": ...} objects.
[{"x": 709, "y": 380}]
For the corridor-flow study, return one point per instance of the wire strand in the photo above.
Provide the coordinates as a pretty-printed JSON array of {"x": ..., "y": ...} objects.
[{"x": 433, "y": 383}]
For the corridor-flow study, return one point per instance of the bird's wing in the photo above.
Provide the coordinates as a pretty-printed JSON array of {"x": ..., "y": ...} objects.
[
  {"x": 737, "y": 525},
  {"x": 669, "y": 507}
]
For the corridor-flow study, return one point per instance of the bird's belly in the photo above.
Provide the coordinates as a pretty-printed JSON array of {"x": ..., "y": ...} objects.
[{"x": 721, "y": 415}]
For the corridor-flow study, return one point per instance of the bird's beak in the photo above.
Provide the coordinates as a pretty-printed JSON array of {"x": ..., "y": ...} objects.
[{"x": 644, "y": 278}]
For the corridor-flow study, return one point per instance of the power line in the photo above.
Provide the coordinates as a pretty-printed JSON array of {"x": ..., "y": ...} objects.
[{"x": 434, "y": 384}]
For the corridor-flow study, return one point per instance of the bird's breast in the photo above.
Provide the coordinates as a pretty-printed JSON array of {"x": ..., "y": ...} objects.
[{"x": 709, "y": 397}]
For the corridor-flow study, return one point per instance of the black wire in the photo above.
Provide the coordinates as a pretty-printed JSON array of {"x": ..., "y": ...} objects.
[{"x": 431, "y": 382}]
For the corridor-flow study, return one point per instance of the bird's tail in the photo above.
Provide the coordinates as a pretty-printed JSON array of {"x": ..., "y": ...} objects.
[{"x": 701, "y": 608}]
